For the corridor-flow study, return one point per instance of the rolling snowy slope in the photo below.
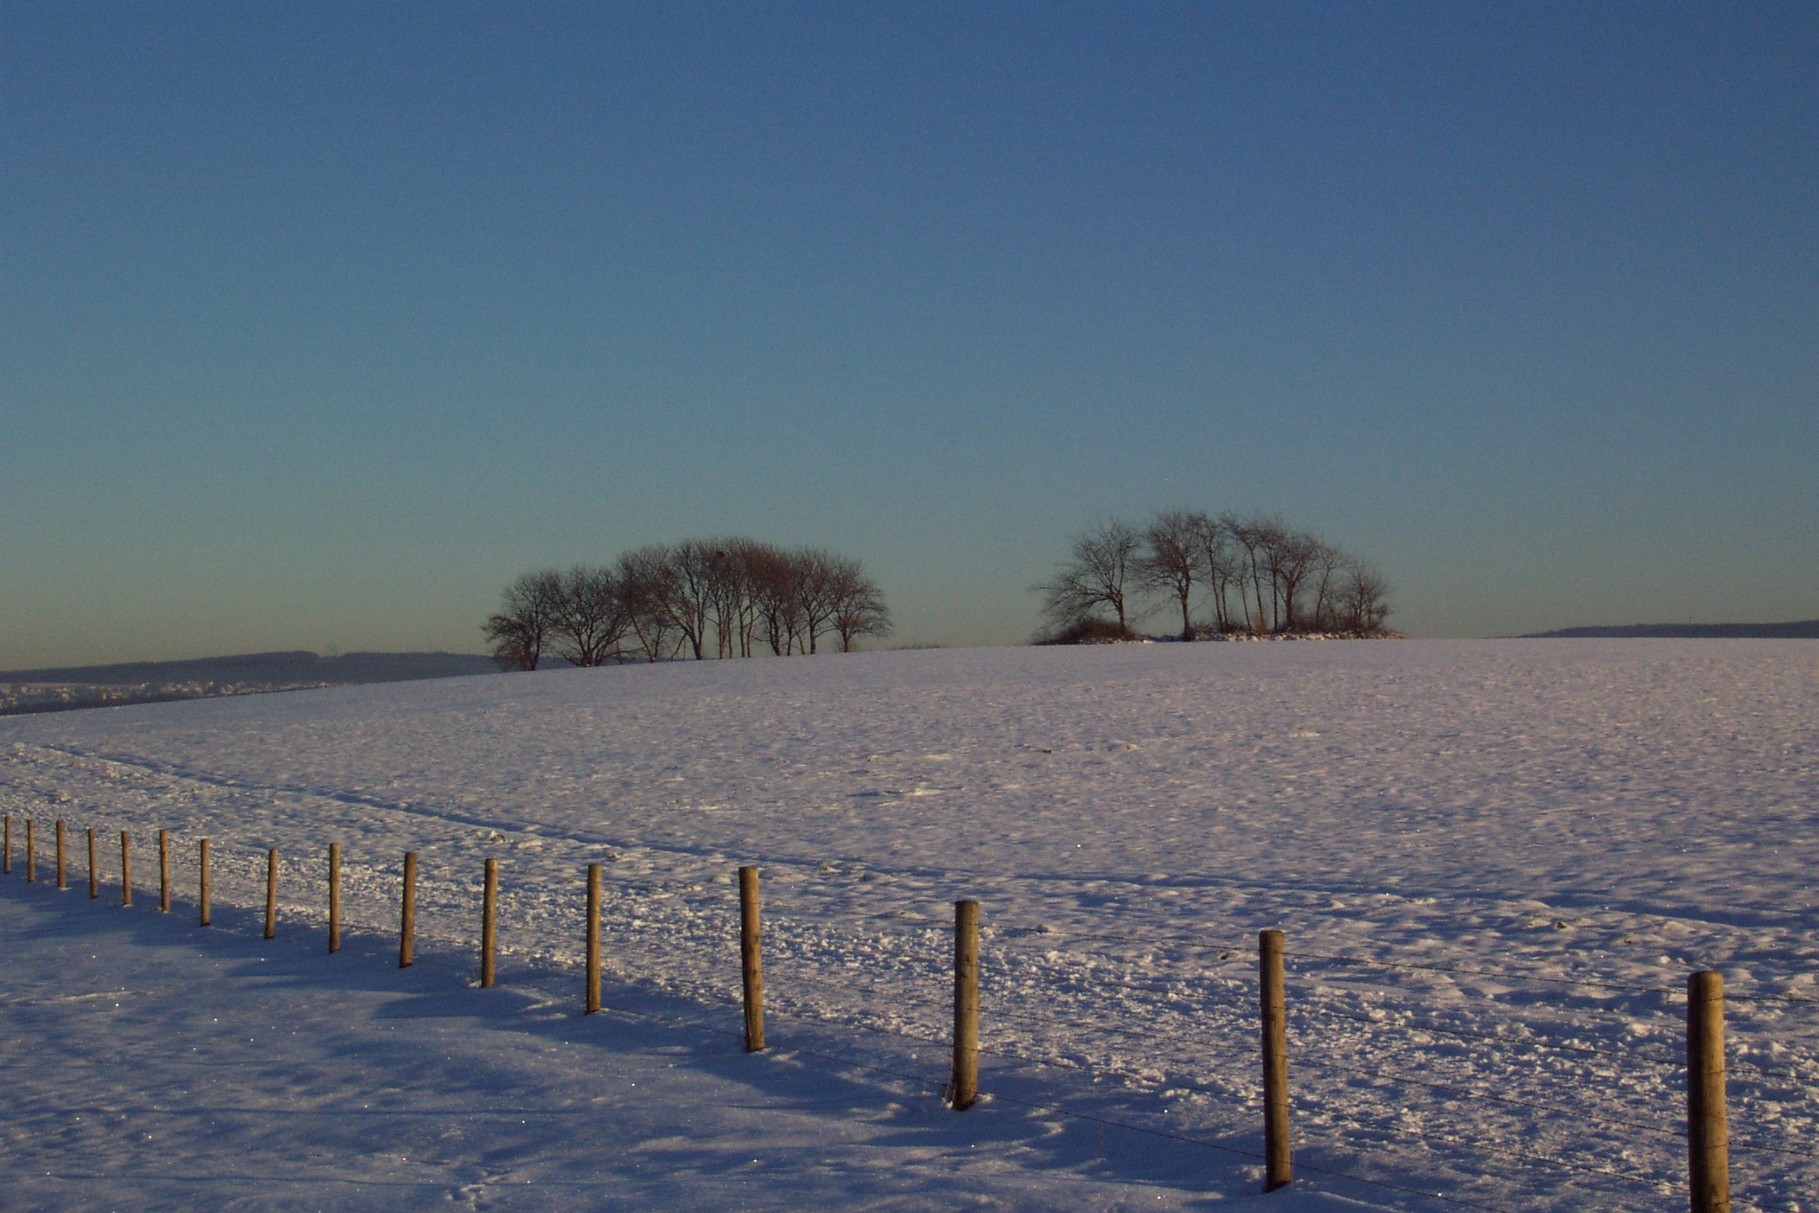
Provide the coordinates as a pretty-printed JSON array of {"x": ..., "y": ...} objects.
[{"x": 1496, "y": 864}]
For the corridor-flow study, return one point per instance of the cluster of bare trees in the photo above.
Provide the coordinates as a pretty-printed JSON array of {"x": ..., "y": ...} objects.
[
  {"x": 705, "y": 598},
  {"x": 1252, "y": 573}
]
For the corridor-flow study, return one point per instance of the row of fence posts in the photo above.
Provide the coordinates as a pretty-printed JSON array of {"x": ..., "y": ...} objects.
[{"x": 1708, "y": 1146}]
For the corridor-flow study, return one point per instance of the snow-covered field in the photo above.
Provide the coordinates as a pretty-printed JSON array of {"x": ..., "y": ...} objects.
[{"x": 1496, "y": 864}]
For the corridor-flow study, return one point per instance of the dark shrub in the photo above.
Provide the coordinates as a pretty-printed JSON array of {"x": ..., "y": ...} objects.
[{"x": 1091, "y": 630}]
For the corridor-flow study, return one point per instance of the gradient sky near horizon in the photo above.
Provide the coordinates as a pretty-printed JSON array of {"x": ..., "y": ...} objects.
[{"x": 320, "y": 322}]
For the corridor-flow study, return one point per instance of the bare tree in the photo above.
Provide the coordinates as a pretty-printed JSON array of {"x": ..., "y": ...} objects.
[
  {"x": 1363, "y": 599},
  {"x": 726, "y": 594},
  {"x": 1220, "y": 566},
  {"x": 1172, "y": 561},
  {"x": 1099, "y": 573},
  {"x": 1286, "y": 581},
  {"x": 646, "y": 584},
  {"x": 667, "y": 599},
  {"x": 743, "y": 573},
  {"x": 816, "y": 586},
  {"x": 686, "y": 594},
  {"x": 1329, "y": 561},
  {"x": 591, "y": 619},
  {"x": 1256, "y": 538},
  {"x": 774, "y": 599},
  {"x": 1293, "y": 558},
  {"x": 859, "y": 608},
  {"x": 519, "y": 631}
]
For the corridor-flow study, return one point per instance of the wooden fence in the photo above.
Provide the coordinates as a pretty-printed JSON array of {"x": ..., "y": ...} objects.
[{"x": 1708, "y": 1147}]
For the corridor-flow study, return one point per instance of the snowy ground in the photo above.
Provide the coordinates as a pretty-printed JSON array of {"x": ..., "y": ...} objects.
[{"x": 1496, "y": 864}]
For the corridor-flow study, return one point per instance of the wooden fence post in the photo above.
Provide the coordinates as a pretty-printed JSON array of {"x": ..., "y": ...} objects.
[
  {"x": 489, "y": 910},
  {"x": 126, "y": 869},
  {"x": 271, "y": 892},
  {"x": 31, "y": 860},
  {"x": 593, "y": 938},
  {"x": 202, "y": 879},
  {"x": 407, "y": 924},
  {"x": 94, "y": 872},
  {"x": 62, "y": 872},
  {"x": 751, "y": 959},
  {"x": 1277, "y": 1158},
  {"x": 164, "y": 872},
  {"x": 334, "y": 897},
  {"x": 1708, "y": 1134},
  {"x": 966, "y": 1005}
]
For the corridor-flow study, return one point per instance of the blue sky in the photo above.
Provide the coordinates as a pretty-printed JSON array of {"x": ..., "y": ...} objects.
[{"x": 319, "y": 323}]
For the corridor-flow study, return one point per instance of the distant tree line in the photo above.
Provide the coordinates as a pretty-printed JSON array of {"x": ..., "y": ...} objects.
[
  {"x": 1247, "y": 574},
  {"x": 701, "y": 598}
]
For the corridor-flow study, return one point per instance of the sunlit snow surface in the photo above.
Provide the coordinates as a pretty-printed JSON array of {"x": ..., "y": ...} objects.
[{"x": 1496, "y": 864}]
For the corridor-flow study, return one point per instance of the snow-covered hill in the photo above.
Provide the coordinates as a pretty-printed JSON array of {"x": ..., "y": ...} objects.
[
  {"x": 1496, "y": 864},
  {"x": 65, "y": 689}
]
